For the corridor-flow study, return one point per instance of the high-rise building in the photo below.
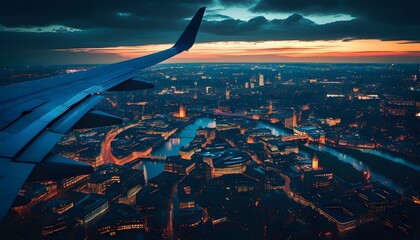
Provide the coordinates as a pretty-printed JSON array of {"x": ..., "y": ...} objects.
[
  {"x": 270, "y": 107},
  {"x": 291, "y": 121},
  {"x": 315, "y": 162},
  {"x": 278, "y": 76},
  {"x": 246, "y": 84},
  {"x": 261, "y": 80},
  {"x": 182, "y": 110},
  {"x": 252, "y": 85},
  {"x": 146, "y": 178},
  {"x": 227, "y": 94}
]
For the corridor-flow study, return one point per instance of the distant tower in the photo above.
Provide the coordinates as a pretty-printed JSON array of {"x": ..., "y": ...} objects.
[
  {"x": 252, "y": 85},
  {"x": 261, "y": 81},
  {"x": 145, "y": 174},
  {"x": 291, "y": 122},
  {"x": 314, "y": 162},
  {"x": 246, "y": 84},
  {"x": 294, "y": 119},
  {"x": 366, "y": 174},
  {"x": 182, "y": 110},
  {"x": 227, "y": 94},
  {"x": 278, "y": 76},
  {"x": 270, "y": 107}
]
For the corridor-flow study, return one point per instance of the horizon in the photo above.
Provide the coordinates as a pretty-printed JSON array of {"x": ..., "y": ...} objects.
[
  {"x": 243, "y": 31},
  {"x": 3, "y": 67}
]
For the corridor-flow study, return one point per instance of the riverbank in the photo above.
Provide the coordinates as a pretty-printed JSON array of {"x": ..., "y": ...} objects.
[
  {"x": 329, "y": 162},
  {"x": 398, "y": 173}
]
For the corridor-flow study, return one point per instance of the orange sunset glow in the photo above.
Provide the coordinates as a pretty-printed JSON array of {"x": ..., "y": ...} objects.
[{"x": 275, "y": 51}]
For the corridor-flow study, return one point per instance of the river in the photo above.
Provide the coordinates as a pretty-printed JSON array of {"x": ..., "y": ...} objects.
[
  {"x": 185, "y": 136},
  {"x": 172, "y": 145},
  {"x": 359, "y": 165}
]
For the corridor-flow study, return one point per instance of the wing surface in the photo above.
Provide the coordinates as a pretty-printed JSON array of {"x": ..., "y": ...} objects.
[{"x": 35, "y": 115}]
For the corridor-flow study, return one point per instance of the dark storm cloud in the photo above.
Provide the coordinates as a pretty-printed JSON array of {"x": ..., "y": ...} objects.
[
  {"x": 94, "y": 13},
  {"x": 387, "y": 11},
  {"x": 107, "y": 23},
  {"x": 237, "y": 2},
  {"x": 297, "y": 27}
]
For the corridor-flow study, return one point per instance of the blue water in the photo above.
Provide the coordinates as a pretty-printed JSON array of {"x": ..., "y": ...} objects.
[{"x": 172, "y": 145}]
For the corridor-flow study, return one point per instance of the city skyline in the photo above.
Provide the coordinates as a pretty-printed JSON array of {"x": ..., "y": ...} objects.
[{"x": 241, "y": 31}]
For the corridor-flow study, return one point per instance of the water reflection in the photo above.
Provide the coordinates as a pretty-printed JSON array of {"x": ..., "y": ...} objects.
[
  {"x": 357, "y": 164},
  {"x": 392, "y": 158},
  {"x": 172, "y": 145}
]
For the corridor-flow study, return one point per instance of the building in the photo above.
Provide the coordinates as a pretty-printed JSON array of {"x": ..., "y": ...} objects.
[
  {"x": 254, "y": 133},
  {"x": 227, "y": 94},
  {"x": 121, "y": 218},
  {"x": 377, "y": 198},
  {"x": 179, "y": 166},
  {"x": 270, "y": 107},
  {"x": 186, "y": 152},
  {"x": 278, "y": 76},
  {"x": 229, "y": 161},
  {"x": 182, "y": 111},
  {"x": 346, "y": 215},
  {"x": 261, "y": 80},
  {"x": 89, "y": 208},
  {"x": 315, "y": 162},
  {"x": 53, "y": 224},
  {"x": 275, "y": 148},
  {"x": 318, "y": 179},
  {"x": 291, "y": 122}
]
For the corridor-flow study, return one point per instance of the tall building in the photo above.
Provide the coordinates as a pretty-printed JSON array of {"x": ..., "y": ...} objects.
[
  {"x": 246, "y": 84},
  {"x": 278, "y": 76},
  {"x": 146, "y": 178},
  {"x": 315, "y": 162},
  {"x": 182, "y": 110},
  {"x": 270, "y": 107},
  {"x": 291, "y": 122},
  {"x": 261, "y": 80},
  {"x": 227, "y": 94}
]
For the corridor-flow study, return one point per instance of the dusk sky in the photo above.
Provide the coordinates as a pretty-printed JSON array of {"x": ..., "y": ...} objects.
[{"x": 106, "y": 31}]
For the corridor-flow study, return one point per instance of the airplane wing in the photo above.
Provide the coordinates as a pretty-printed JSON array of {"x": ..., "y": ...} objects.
[{"x": 35, "y": 115}]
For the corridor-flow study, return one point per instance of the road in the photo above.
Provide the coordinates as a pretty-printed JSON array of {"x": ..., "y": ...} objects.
[{"x": 106, "y": 150}]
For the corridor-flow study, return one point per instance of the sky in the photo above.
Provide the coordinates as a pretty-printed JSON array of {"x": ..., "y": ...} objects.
[{"x": 46, "y": 32}]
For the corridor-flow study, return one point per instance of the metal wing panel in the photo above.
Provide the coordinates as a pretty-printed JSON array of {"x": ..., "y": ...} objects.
[
  {"x": 40, "y": 147},
  {"x": 35, "y": 114},
  {"x": 65, "y": 123},
  {"x": 12, "y": 177}
]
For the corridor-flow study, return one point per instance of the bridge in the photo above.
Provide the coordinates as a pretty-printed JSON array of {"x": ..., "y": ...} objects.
[
  {"x": 225, "y": 114},
  {"x": 159, "y": 159},
  {"x": 152, "y": 157},
  {"x": 294, "y": 137}
]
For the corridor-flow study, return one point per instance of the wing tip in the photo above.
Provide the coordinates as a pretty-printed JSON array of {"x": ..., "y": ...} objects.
[{"x": 187, "y": 38}]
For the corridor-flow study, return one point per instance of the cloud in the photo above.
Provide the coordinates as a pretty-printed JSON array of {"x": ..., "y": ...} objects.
[
  {"x": 385, "y": 11},
  {"x": 28, "y": 28},
  {"x": 96, "y": 13},
  {"x": 297, "y": 27}
]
